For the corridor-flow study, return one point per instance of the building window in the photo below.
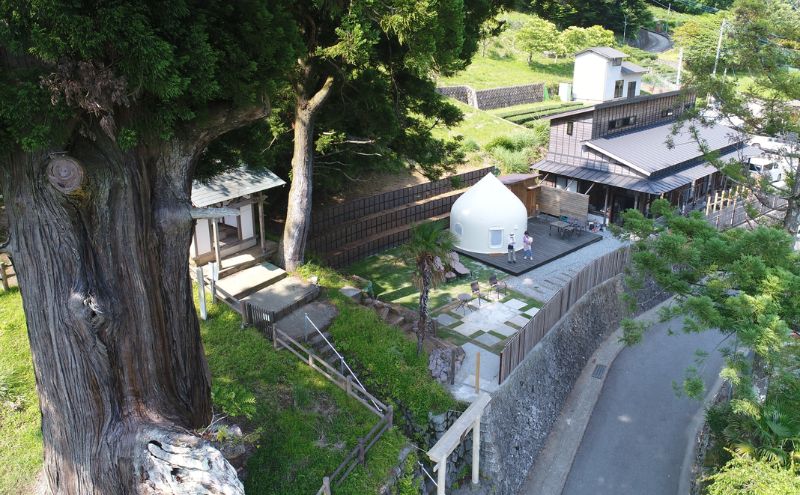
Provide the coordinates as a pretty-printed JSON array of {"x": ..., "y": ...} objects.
[
  {"x": 616, "y": 62},
  {"x": 570, "y": 126},
  {"x": 618, "y": 86},
  {"x": 623, "y": 122},
  {"x": 495, "y": 237}
]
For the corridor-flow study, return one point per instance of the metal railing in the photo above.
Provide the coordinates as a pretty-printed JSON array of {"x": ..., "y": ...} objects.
[{"x": 342, "y": 361}]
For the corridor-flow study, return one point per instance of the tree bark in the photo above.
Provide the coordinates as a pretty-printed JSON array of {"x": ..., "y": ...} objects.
[
  {"x": 101, "y": 248},
  {"x": 298, "y": 213},
  {"x": 424, "y": 316}
]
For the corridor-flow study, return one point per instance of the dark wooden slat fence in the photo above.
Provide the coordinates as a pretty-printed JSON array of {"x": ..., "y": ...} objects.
[{"x": 592, "y": 275}]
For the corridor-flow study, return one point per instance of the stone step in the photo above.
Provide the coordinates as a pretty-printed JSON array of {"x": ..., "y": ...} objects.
[
  {"x": 284, "y": 296},
  {"x": 247, "y": 259},
  {"x": 250, "y": 280}
]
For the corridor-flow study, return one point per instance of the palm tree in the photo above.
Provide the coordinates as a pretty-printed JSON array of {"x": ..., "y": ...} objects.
[{"x": 428, "y": 241}]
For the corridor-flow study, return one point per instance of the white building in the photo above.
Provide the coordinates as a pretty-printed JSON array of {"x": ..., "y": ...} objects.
[
  {"x": 600, "y": 74},
  {"x": 484, "y": 216}
]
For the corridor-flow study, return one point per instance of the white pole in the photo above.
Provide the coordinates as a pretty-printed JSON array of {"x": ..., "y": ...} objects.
[
  {"x": 476, "y": 450},
  {"x": 442, "y": 478},
  {"x": 201, "y": 289},
  {"x": 680, "y": 67},
  {"x": 719, "y": 46}
]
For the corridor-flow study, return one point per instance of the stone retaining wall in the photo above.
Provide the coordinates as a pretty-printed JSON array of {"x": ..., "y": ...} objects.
[
  {"x": 487, "y": 99},
  {"x": 509, "y": 96},
  {"x": 524, "y": 409}
]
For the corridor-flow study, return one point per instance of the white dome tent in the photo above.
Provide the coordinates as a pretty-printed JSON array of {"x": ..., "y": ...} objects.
[{"x": 484, "y": 216}]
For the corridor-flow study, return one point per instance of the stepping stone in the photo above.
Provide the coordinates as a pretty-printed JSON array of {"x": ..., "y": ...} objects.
[
  {"x": 515, "y": 304},
  {"x": 446, "y": 320},
  {"x": 488, "y": 339},
  {"x": 505, "y": 330},
  {"x": 519, "y": 321},
  {"x": 352, "y": 293},
  {"x": 466, "y": 329},
  {"x": 532, "y": 311}
]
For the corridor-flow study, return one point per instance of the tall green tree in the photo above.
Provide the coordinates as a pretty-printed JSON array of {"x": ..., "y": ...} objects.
[
  {"x": 398, "y": 43},
  {"x": 755, "y": 89},
  {"x": 537, "y": 35},
  {"x": 105, "y": 108},
  {"x": 746, "y": 284},
  {"x": 427, "y": 243},
  {"x": 574, "y": 39}
]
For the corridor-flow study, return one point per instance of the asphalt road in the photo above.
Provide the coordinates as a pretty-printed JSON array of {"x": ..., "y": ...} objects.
[
  {"x": 657, "y": 43},
  {"x": 637, "y": 437}
]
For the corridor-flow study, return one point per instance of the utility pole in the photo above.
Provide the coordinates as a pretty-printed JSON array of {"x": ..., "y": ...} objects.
[
  {"x": 680, "y": 68},
  {"x": 719, "y": 46},
  {"x": 624, "y": 26}
]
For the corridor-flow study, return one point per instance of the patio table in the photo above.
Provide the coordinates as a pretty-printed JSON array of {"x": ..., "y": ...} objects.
[{"x": 560, "y": 225}]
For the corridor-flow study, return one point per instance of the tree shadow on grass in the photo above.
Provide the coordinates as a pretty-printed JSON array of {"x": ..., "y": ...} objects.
[{"x": 560, "y": 68}]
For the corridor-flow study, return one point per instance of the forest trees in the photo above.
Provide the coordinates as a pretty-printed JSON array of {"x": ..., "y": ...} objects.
[
  {"x": 389, "y": 48},
  {"x": 616, "y": 15},
  {"x": 746, "y": 284},
  {"x": 754, "y": 89},
  {"x": 104, "y": 112}
]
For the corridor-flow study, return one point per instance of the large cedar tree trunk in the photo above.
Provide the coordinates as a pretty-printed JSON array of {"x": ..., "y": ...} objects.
[
  {"x": 298, "y": 212},
  {"x": 103, "y": 269}
]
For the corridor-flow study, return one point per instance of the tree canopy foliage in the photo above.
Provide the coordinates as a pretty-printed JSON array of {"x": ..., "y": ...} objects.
[
  {"x": 754, "y": 88},
  {"x": 616, "y": 15},
  {"x": 136, "y": 67},
  {"x": 746, "y": 284}
]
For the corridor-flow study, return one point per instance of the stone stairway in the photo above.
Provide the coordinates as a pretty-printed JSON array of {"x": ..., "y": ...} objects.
[{"x": 245, "y": 282}]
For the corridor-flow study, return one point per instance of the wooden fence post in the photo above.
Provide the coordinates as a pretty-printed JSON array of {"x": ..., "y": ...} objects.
[
  {"x": 349, "y": 385},
  {"x": 361, "y": 452},
  {"x": 390, "y": 416},
  {"x": 326, "y": 486},
  {"x": 3, "y": 275}
]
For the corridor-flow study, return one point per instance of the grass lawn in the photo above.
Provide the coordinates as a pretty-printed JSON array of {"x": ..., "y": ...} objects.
[
  {"x": 303, "y": 425},
  {"x": 384, "y": 358},
  {"x": 672, "y": 17},
  {"x": 392, "y": 279},
  {"x": 494, "y": 71},
  {"x": 479, "y": 126},
  {"x": 20, "y": 427}
]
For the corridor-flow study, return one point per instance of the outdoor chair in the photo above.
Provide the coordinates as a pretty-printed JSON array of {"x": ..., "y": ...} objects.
[
  {"x": 497, "y": 285},
  {"x": 476, "y": 291},
  {"x": 456, "y": 265}
]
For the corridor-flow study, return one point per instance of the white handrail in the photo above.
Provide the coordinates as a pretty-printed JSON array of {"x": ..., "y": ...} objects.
[{"x": 341, "y": 359}]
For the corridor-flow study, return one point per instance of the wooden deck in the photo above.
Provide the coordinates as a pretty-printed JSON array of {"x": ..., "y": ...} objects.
[{"x": 546, "y": 247}]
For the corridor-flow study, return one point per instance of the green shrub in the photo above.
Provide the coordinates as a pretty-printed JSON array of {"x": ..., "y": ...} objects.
[
  {"x": 504, "y": 142},
  {"x": 382, "y": 356},
  {"x": 233, "y": 399},
  {"x": 469, "y": 146},
  {"x": 512, "y": 162}
]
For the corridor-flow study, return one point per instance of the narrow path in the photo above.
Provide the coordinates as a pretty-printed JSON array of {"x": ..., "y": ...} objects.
[{"x": 637, "y": 437}]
